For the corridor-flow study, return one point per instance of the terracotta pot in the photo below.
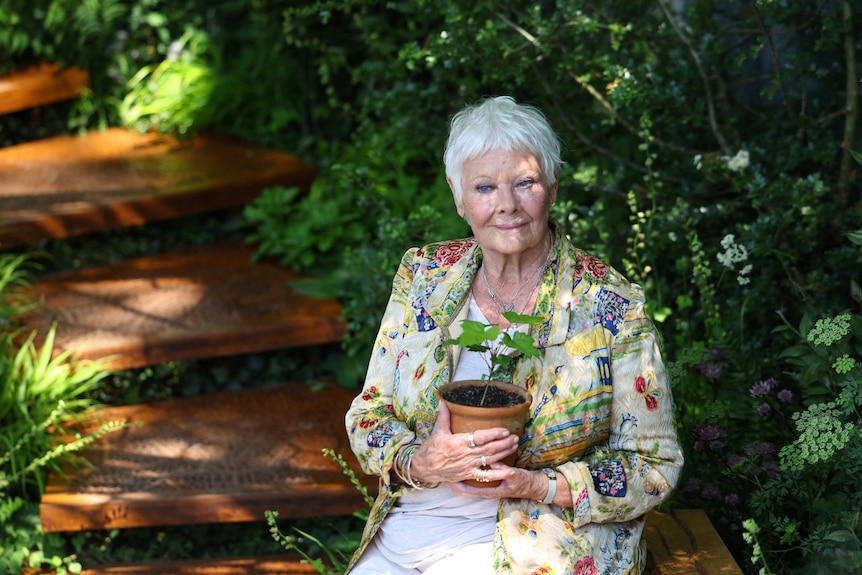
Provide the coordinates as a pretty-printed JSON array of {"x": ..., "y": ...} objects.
[{"x": 467, "y": 418}]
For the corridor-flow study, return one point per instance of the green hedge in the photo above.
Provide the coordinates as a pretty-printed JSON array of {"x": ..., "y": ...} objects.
[{"x": 708, "y": 156}]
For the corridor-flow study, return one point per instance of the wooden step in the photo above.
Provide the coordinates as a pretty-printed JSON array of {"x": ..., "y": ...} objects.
[
  {"x": 686, "y": 543},
  {"x": 205, "y": 302},
  {"x": 39, "y": 85},
  {"x": 216, "y": 458},
  {"x": 274, "y": 565},
  {"x": 72, "y": 185}
]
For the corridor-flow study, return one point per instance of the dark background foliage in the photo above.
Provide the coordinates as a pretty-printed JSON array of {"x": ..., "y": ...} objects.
[{"x": 700, "y": 138}]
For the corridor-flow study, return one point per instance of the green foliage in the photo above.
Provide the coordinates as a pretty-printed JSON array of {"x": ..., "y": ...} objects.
[
  {"x": 25, "y": 545},
  {"x": 349, "y": 232},
  {"x": 706, "y": 149},
  {"x": 481, "y": 337},
  {"x": 821, "y": 434},
  {"x": 811, "y": 500},
  {"x": 175, "y": 94},
  {"x": 304, "y": 230},
  {"x": 39, "y": 395},
  {"x": 332, "y": 556}
]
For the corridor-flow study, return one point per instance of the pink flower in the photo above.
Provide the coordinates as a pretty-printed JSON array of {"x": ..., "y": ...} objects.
[
  {"x": 735, "y": 460},
  {"x": 586, "y": 565},
  {"x": 762, "y": 388},
  {"x": 594, "y": 266},
  {"x": 448, "y": 254},
  {"x": 709, "y": 492},
  {"x": 714, "y": 365}
]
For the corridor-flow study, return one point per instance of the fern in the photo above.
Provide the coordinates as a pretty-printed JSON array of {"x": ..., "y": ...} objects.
[{"x": 337, "y": 558}]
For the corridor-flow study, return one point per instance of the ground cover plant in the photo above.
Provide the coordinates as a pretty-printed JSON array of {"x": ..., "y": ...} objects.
[
  {"x": 709, "y": 155},
  {"x": 39, "y": 397}
]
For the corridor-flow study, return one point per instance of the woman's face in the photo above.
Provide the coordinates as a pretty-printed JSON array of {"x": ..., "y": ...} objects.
[{"x": 505, "y": 201}]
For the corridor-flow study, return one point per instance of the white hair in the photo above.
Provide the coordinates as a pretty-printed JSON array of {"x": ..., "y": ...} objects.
[{"x": 500, "y": 123}]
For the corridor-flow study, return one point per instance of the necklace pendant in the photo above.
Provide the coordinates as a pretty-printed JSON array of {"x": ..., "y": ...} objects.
[{"x": 508, "y": 307}]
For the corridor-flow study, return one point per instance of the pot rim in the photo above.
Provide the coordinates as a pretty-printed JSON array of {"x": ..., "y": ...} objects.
[{"x": 526, "y": 395}]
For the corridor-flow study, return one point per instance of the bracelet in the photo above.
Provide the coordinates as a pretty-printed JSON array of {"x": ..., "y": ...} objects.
[
  {"x": 552, "y": 485},
  {"x": 402, "y": 464}
]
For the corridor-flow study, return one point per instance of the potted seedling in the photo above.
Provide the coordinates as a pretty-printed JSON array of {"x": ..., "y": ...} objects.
[{"x": 488, "y": 402}]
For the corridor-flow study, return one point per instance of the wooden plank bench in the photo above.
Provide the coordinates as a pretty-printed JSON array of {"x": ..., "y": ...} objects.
[
  {"x": 71, "y": 185},
  {"x": 216, "y": 458},
  {"x": 685, "y": 543},
  {"x": 211, "y": 301}
]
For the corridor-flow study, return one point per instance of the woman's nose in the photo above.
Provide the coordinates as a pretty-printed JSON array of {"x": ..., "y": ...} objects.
[{"x": 507, "y": 200}]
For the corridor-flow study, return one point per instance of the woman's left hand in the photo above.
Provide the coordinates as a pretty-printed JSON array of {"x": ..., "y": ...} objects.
[{"x": 516, "y": 483}]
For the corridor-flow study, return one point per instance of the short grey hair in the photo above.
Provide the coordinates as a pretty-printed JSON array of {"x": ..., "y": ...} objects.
[{"x": 500, "y": 123}]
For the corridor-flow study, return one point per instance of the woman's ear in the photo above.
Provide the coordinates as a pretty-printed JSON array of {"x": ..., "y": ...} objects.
[{"x": 459, "y": 205}]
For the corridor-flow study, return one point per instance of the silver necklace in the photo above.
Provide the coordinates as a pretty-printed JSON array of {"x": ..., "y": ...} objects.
[{"x": 510, "y": 305}]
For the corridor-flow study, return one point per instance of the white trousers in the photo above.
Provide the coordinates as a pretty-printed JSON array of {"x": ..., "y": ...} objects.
[{"x": 469, "y": 560}]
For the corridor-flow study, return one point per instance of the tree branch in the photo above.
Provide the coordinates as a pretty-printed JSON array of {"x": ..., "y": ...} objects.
[
  {"x": 710, "y": 103},
  {"x": 775, "y": 60},
  {"x": 598, "y": 96},
  {"x": 852, "y": 117}
]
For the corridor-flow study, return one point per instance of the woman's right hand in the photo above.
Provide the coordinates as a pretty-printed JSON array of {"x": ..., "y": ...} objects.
[{"x": 449, "y": 457}]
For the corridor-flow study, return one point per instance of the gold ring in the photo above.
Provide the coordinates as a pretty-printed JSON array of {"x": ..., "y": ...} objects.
[
  {"x": 482, "y": 476},
  {"x": 470, "y": 441}
]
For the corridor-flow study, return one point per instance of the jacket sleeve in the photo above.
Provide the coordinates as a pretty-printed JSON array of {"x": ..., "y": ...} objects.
[
  {"x": 374, "y": 432},
  {"x": 639, "y": 466}
]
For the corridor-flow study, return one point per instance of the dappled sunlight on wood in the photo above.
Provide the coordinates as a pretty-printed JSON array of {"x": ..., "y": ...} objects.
[
  {"x": 204, "y": 302},
  {"x": 223, "y": 457}
]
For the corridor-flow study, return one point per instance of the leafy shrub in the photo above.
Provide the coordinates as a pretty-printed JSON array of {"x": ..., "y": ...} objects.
[
  {"x": 707, "y": 150},
  {"x": 39, "y": 395},
  {"x": 805, "y": 511},
  {"x": 350, "y": 232}
]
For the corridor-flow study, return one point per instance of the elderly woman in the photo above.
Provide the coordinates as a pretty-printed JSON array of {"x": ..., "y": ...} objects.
[{"x": 599, "y": 448}]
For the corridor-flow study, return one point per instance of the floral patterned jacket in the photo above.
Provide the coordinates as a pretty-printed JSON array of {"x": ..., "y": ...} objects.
[{"x": 601, "y": 414}]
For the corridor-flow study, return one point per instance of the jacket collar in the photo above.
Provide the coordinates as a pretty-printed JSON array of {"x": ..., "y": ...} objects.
[{"x": 447, "y": 302}]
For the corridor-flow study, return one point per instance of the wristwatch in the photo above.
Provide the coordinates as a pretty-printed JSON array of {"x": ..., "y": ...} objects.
[{"x": 552, "y": 485}]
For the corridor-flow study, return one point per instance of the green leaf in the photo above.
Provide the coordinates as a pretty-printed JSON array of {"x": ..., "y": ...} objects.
[
  {"x": 842, "y": 536},
  {"x": 523, "y": 342},
  {"x": 519, "y": 319}
]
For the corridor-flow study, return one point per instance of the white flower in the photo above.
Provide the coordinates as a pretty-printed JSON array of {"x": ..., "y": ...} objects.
[
  {"x": 738, "y": 162},
  {"x": 175, "y": 48},
  {"x": 734, "y": 254}
]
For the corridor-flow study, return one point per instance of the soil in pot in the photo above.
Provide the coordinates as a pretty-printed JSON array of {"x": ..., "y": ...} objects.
[{"x": 477, "y": 396}]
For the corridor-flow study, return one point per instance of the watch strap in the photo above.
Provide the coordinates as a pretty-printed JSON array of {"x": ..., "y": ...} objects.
[{"x": 552, "y": 485}]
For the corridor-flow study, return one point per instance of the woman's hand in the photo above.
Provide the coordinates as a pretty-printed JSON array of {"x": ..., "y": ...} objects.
[
  {"x": 448, "y": 457},
  {"x": 516, "y": 483}
]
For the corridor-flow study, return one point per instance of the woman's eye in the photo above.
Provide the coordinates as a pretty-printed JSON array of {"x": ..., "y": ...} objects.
[
  {"x": 525, "y": 184},
  {"x": 484, "y": 188}
]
